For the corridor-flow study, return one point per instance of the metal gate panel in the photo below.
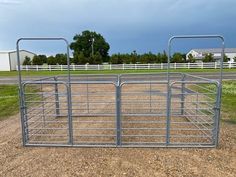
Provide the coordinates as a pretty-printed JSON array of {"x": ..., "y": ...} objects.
[
  {"x": 143, "y": 114},
  {"x": 45, "y": 122},
  {"x": 192, "y": 114},
  {"x": 94, "y": 114}
]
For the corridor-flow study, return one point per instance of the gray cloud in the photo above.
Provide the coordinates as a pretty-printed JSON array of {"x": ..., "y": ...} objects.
[{"x": 126, "y": 24}]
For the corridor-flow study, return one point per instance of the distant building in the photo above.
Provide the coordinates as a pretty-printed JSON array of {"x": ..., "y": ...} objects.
[
  {"x": 8, "y": 59},
  {"x": 199, "y": 54}
]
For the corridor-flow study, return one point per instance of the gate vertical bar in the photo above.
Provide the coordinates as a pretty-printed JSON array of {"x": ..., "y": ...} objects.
[
  {"x": 69, "y": 95},
  {"x": 26, "y": 127},
  {"x": 22, "y": 108},
  {"x": 43, "y": 104},
  {"x": 57, "y": 98},
  {"x": 150, "y": 94},
  {"x": 218, "y": 106},
  {"x": 168, "y": 96},
  {"x": 87, "y": 94},
  {"x": 182, "y": 93},
  {"x": 118, "y": 113}
]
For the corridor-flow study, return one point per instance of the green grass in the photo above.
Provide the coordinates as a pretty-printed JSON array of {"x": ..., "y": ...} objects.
[
  {"x": 229, "y": 102},
  {"x": 228, "y": 111},
  {"x": 9, "y": 100},
  {"x": 49, "y": 73},
  {"x": 9, "y": 104}
]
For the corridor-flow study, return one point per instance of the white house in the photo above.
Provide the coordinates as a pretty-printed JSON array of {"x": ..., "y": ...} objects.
[
  {"x": 198, "y": 54},
  {"x": 8, "y": 59}
]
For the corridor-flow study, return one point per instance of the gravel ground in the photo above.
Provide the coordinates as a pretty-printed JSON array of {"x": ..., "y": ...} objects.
[{"x": 16, "y": 160}]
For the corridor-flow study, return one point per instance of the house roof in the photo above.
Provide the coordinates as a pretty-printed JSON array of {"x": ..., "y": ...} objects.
[
  {"x": 7, "y": 51},
  {"x": 215, "y": 50},
  {"x": 12, "y": 51}
]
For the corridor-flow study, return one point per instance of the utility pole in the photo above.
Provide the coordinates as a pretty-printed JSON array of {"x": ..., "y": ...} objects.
[{"x": 92, "y": 46}]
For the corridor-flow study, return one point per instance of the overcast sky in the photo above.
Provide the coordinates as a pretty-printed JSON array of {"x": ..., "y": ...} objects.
[{"x": 127, "y": 25}]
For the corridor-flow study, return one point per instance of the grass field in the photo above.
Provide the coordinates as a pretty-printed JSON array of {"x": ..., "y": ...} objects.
[
  {"x": 48, "y": 73},
  {"x": 9, "y": 104},
  {"x": 9, "y": 100},
  {"x": 229, "y": 101}
]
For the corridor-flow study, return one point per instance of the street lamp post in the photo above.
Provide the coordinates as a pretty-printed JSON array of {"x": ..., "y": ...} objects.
[{"x": 92, "y": 46}]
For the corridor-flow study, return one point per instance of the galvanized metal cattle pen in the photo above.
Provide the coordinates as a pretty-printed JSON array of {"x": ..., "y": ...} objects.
[{"x": 127, "y": 110}]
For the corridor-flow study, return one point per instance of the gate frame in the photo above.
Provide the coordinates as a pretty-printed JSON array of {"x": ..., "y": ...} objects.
[
  {"x": 118, "y": 87},
  {"x": 21, "y": 94},
  {"x": 218, "y": 101}
]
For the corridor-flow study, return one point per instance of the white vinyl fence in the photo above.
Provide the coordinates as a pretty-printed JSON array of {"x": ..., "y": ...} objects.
[{"x": 212, "y": 65}]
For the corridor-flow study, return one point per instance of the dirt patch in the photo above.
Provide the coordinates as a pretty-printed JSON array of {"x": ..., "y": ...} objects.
[{"x": 16, "y": 160}]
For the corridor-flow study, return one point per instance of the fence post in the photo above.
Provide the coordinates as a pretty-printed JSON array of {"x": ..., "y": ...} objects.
[
  {"x": 110, "y": 66},
  {"x": 37, "y": 67},
  {"x": 86, "y": 67},
  {"x": 98, "y": 67},
  {"x": 175, "y": 65},
  {"x": 148, "y": 65},
  {"x": 49, "y": 67},
  {"x": 61, "y": 68},
  {"x": 215, "y": 64},
  {"x": 202, "y": 65},
  {"x": 26, "y": 67},
  {"x": 135, "y": 66},
  {"x": 161, "y": 65}
]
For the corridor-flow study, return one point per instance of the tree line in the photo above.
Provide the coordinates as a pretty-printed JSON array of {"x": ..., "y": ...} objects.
[
  {"x": 132, "y": 58},
  {"x": 91, "y": 48}
]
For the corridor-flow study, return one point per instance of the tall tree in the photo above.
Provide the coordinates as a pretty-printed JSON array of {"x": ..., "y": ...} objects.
[
  {"x": 226, "y": 59},
  {"x": 191, "y": 59},
  {"x": 79, "y": 59},
  {"x": 164, "y": 57},
  {"x": 52, "y": 60},
  {"x": 61, "y": 58},
  {"x": 208, "y": 58},
  {"x": 27, "y": 61},
  {"x": 134, "y": 57},
  {"x": 116, "y": 59},
  {"x": 89, "y": 43},
  {"x": 39, "y": 59},
  {"x": 148, "y": 58},
  {"x": 178, "y": 58}
]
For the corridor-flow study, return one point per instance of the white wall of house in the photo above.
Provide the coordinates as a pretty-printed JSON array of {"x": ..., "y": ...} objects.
[
  {"x": 23, "y": 54},
  {"x": 231, "y": 56},
  {"x": 4, "y": 61},
  {"x": 199, "y": 56},
  {"x": 194, "y": 54},
  {"x": 8, "y": 59}
]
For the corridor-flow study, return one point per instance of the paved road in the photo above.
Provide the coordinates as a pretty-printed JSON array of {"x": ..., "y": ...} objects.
[{"x": 226, "y": 76}]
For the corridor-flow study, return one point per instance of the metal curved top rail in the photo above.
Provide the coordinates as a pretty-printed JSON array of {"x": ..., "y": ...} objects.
[
  {"x": 41, "y": 39},
  {"x": 198, "y": 37}
]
